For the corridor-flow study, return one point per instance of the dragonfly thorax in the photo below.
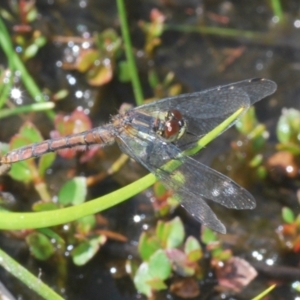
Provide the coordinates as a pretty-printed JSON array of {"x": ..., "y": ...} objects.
[{"x": 172, "y": 127}]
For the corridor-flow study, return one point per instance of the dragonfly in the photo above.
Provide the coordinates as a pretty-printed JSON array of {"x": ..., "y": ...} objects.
[{"x": 159, "y": 134}]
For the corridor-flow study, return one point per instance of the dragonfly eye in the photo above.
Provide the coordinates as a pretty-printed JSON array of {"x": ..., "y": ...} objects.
[
  {"x": 171, "y": 129},
  {"x": 173, "y": 114},
  {"x": 174, "y": 125}
]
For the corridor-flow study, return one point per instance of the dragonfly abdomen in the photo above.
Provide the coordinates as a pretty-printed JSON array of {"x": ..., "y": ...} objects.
[{"x": 99, "y": 135}]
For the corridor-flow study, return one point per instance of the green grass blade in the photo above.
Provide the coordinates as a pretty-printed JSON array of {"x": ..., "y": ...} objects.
[
  {"x": 26, "y": 108},
  {"x": 17, "y": 65},
  {"x": 27, "y": 278},
  {"x": 139, "y": 98},
  {"x": 265, "y": 292},
  {"x": 277, "y": 9}
]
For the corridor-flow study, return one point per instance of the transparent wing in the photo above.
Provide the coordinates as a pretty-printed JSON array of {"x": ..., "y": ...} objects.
[
  {"x": 190, "y": 180},
  {"x": 204, "y": 110}
]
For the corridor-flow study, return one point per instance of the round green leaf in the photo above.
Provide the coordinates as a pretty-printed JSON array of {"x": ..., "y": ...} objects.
[
  {"x": 141, "y": 279},
  {"x": 61, "y": 94},
  {"x": 44, "y": 206},
  {"x": 31, "y": 51},
  {"x": 174, "y": 233},
  {"x": 86, "y": 250},
  {"x": 288, "y": 126},
  {"x": 73, "y": 192},
  {"x": 288, "y": 215},
  {"x": 208, "y": 236},
  {"x": 39, "y": 245},
  {"x": 247, "y": 122},
  {"x": 148, "y": 245},
  {"x": 159, "y": 265},
  {"x": 86, "y": 224},
  {"x": 21, "y": 171},
  {"x": 29, "y": 133},
  {"x": 157, "y": 284},
  {"x": 45, "y": 162},
  {"x": 192, "y": 249}
]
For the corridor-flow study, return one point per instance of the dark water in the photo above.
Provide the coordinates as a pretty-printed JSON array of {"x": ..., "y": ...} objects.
[{"x": 198, "y": 61}]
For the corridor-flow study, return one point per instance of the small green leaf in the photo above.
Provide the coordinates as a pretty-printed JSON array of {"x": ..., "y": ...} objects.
[
  {"x": 297, "y": 221},
  {"x": 174, "y": 233},
  {"x": 159, "y": 265},
  {"x": 256, "y": 161},
  {"x": 159, "y": 189},
  {"x": 174, "y": 90},
  {"x": 169, "y": 79},
  {"x": 222, "y": 255},
  {"x": 157, "y": 29},
  {"x": 87, "y": 250},
  {"x": 61, "y": 94},
  {"x": 171, "y": 234},
  {"x": 44, "y": 206},
  {"x": 294, "y": 149},
  {"x": 159, "y": 230},
  {"x": 73, "y": 191},
  {"x": 21, "y": 171},
  {"x": 217, "y": 252},
  {"x": 108, "y": 42},
  {"x": 86, "y": 59},
  {"x": 53, "y": 236},
  {"x": 208, "y": 236},
  {"x": 288, "y": 215},
  {"x": 45, "y": 162},
  {"x": 31, "y": 51},
  {"x": 261, "y": 172},
  {"x": 86, "y": 224},
  {"x": 6, "y": 15},
  {"x": 39, "y": 245},
  {"x": 31, "y": 15},
  {"x": 40, "y": 41},
  {"x": 29, "y": 132},
  {"x": 100, "y": 74},
  {"x": 148, "y": 245},
  {"x": 193, "y": 249},
  {"x": 24, "y": 171},
  {"x": 247, "y": 122},
  {"x": 157, "y": 284},
  {"x": 141, "y": 279},
  {"x": 288, "y": 126}
]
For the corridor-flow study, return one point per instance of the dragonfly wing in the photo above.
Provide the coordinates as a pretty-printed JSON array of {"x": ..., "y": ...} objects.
[
  {"x": 199, "y": 209},
  {"x": 189, "y": 179},
  {"x": 210, "y": 184},
  {"x": 205, "y": 110},
  {"x": 193, "y": 203}
]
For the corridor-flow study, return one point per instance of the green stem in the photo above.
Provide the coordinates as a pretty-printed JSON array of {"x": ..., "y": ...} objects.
[
  {"x": 26, "y": 108},
  {"x": 139, "y": 98},
  {"x": 277, "y": 9},
  {"x": 16, "y": 64},
  {"x": 27, "y": 278},
  {"x": 5, "y": 87},
  {"x": 265, "y": 293}
]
